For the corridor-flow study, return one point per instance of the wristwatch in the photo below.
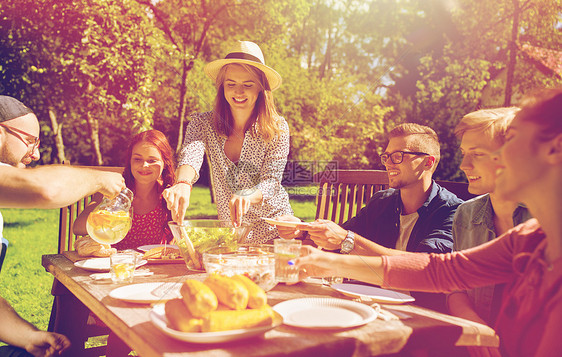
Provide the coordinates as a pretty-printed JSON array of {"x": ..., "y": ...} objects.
[{"x": 348, "y": 243}]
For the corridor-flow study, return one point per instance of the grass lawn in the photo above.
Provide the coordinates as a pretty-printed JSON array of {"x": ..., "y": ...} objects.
[{"x": 33, "y": 232}]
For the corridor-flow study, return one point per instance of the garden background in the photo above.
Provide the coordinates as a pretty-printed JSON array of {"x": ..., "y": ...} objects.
[{"x": 98, "y": 71}]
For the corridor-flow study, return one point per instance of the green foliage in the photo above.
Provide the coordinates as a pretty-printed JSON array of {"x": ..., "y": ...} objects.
[
  {"x": 81, "y": 60},
  {"x": 352, "y": 69},
  {"x": 329, "y": 119},
  {"x": 456, "y": 63}
]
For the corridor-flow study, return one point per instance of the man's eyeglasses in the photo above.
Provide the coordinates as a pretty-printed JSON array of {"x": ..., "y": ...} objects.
[
  {"x": 398, "y": 156},
  {"x": 31, "y": 141}
]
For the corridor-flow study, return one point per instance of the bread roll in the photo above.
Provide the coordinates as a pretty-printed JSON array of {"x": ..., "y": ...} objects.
[{"x": 87, "y": 247}]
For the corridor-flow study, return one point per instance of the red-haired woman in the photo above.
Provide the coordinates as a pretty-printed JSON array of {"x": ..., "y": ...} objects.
[
  {"x": 246, "y": 141},
  {"x": 148, "y": 171}
]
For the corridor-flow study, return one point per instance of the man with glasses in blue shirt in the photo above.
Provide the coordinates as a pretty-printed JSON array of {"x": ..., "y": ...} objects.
[{"x": 414, "y": 215}]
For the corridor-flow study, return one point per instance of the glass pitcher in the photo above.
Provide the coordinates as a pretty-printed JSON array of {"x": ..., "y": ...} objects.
[{"x": 110, "y": 221}]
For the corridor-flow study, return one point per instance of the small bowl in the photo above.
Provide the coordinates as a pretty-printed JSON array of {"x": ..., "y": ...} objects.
[
  {"x": 199, "y": 235},
  {"x": 257, "y": 262}
]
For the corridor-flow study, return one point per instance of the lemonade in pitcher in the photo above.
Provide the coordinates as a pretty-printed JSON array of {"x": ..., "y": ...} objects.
[
  {"x": 111, "y": 220},
  {"x": 108, "y": 227}
]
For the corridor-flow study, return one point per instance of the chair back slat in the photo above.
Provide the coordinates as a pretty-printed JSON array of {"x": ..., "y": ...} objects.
[
  {"x": 343, "y": 198},
  {"x": 335, "y": 201},
  {"x": 68, "y": 214},
  {"x": 63, "y": 227},
  {"x": 352, "y": 202},
  {"x": 321, "y": 203}
]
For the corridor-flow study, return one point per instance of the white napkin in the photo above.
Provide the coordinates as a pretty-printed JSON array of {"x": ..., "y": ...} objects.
[
  {"x": 386, "y": 315},
  {"x": 139, "y": 272}
]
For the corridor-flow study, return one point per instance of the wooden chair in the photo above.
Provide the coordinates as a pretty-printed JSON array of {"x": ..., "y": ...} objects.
[
  {"x": 342, "y": 193},
  {"x": 77, "y": 330}
]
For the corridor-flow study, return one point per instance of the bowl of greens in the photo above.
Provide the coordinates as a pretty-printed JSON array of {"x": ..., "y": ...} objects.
[{"x": 197, "y": 236}]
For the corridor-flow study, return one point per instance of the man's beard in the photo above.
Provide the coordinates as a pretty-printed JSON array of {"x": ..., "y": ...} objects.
[
  {"x": 397, "y": 183},
  {"x": 8, "y": 158}
]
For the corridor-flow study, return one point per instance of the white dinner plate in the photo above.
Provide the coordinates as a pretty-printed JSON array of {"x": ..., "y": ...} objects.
[
  {"x": 99, "y": 264},
  {"x": 284, "y": 223},
  {"x": 146, "y": 248},
  {"x": 325, "y": 313},
  {"x": 146, "y": 293},
  {"x": 377, "y": 294},
  {"x": 158, "y": 318}
]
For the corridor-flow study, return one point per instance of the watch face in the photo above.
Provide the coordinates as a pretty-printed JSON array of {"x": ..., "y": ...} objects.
[{"x": 347, "y": 246}]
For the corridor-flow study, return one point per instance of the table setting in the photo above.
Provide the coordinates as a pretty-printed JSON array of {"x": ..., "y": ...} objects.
[{"x": 322, "y": 316}]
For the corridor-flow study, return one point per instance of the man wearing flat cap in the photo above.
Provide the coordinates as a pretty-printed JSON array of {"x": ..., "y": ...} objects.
[
  {"x": 50, "y": 186},
  {"x": 19, "y": 133}
]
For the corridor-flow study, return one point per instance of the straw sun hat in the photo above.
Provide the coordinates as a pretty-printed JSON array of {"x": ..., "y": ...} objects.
[{"x": 248, "y": 53}]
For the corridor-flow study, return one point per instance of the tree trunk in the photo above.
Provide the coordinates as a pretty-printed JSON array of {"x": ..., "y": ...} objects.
[
  {"x": 93, "y": 126},
  {"x": 326, "y": 62},
  {"x": 512, "y": 54},
  {"x": 57, "y": 129}
]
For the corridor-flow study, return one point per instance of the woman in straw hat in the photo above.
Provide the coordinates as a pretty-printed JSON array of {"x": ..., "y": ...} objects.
[
  {"x": 246, "y": 141},
  {"x": 527, "y": 258}
]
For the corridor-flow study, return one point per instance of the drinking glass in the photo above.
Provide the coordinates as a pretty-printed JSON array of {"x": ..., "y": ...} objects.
[
  {"x": 110, "y": 221},
  {"x": 286, "y": 252},
  {"x": 123, "y": 266}
]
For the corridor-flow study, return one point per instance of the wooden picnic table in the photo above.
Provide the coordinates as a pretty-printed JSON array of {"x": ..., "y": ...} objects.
[{"x": 417, "y": 328}]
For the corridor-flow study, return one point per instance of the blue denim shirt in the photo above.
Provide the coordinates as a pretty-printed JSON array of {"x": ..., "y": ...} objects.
[
  {"x": 474, "y": 225},
  {"x": 379, "y": 221}
]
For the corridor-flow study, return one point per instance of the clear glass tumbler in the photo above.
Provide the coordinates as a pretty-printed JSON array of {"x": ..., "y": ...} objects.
[
  {"x": 122, "y": 267},
  {"x": 286, "y": 252}
]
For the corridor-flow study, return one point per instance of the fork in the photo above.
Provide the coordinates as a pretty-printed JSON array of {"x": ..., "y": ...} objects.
[{"x": 164, "y": 289}]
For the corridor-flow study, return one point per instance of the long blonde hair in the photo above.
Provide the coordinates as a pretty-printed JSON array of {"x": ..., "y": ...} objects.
[{"x": 265, "y": 121}]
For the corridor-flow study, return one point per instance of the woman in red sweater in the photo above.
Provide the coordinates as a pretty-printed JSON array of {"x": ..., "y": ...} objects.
[{"x": 527, "y": 258}]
